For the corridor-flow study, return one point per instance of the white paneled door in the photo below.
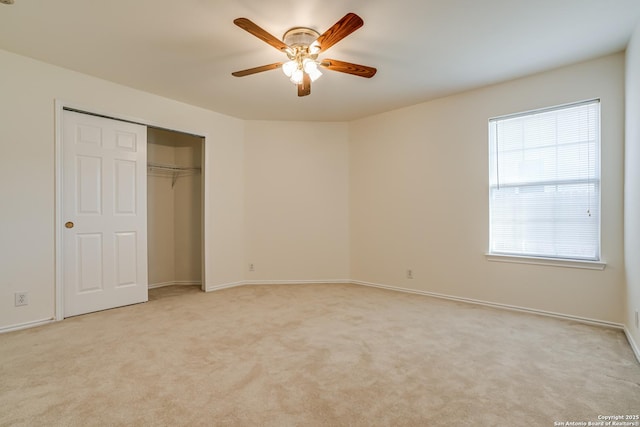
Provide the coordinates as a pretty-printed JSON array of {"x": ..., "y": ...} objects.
[{"x": 104, "y": 213}]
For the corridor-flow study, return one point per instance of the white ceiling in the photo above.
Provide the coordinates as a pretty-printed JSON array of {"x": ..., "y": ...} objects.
[{"x": 423, "y": 49}]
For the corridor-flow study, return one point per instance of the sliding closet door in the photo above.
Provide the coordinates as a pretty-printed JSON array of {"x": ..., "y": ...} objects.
[{"x": 104, "y": 213}]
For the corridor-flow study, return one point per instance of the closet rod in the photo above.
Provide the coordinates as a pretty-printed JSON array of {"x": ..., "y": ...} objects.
[
  {"x": 174, "y": 170},
  {"x": 171, "y": 168}
]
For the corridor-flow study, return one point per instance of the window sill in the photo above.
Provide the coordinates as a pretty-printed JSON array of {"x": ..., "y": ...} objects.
[{"x": 552, "y": 262}]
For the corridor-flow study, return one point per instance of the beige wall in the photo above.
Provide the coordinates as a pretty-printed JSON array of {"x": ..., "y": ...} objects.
[
  {"x": 632, "y": 185},
  {"x": 174, "y": 226},
  {"x": 296, "y": 176},
  {"x": 188, "y": 215},
  {"x": 160, "y": 215},
  {"x": 28, "y": 90},
  {"x": 329, "y": 201},
  {"x": 419, "y": 196}
]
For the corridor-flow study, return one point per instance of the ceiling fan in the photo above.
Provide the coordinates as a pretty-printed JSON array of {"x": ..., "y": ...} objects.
[{"x": 302, "y": 47}]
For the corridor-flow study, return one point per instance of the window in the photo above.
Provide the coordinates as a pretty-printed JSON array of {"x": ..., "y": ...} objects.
[{"x": 545, "y": 183}]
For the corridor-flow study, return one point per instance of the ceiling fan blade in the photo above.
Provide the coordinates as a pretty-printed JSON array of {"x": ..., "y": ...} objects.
[
  {"x": 304, "y": 88},
  {"x": 349, "y": 68},
  {"x": 255, "y": 70},
  {"x": 341, "y": 29},
  {"x": 260, "y": 33}
]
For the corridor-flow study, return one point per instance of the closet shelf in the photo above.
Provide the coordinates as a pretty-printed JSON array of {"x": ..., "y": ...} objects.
[{"x": 174, "y": 170}]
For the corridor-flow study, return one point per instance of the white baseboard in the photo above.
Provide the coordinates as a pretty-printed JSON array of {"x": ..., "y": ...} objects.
[
  {"x": 496, "y": 305},
  {"x": 632, "y": 343},
  {"x": 174, "y": 283},
  {"x": 25, "y": 325},
  {"x": 295, "y": 282},
  {"x": 210, "y": 288}
]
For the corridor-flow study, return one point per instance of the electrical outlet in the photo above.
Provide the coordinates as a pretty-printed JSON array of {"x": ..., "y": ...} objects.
[
  {"x": 252, "y": 267},
  {"x": 22, "y": 298},
  {"x": 409, "y": 274}
]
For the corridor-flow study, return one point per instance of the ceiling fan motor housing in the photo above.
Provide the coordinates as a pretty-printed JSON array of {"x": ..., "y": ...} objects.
[{"x": 300, "y": 36}]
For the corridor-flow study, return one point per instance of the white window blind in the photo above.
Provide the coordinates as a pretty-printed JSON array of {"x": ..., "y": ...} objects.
[{"x": 545, "y": 183}]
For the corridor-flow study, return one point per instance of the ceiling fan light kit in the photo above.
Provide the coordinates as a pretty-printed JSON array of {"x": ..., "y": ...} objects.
[
  {"x": 302, "y": 46},
  {"x": 303, "y": 54}
]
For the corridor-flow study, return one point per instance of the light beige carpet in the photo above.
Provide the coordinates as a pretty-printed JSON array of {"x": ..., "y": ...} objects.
[{"x": 313, "y": 355}]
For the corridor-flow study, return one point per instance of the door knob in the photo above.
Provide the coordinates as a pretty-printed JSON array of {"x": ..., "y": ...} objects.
[{"x": 68, "y": 224}]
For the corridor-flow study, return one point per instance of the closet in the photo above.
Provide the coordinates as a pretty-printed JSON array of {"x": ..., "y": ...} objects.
[{"x": 174, "y": 208}]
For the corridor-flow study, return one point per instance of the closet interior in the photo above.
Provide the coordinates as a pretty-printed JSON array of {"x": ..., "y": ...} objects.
[{"x": 174, "y": 208}]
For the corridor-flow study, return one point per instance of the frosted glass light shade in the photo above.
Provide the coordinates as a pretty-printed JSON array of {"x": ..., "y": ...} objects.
[
  {"x": 289, "y": 67},
  {"x": 297, "y": 76},
  {"x": 311, "y": 68}
]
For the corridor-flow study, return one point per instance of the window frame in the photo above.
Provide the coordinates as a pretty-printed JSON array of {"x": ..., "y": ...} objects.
[{"x": 593, "y": 264}]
